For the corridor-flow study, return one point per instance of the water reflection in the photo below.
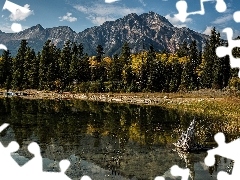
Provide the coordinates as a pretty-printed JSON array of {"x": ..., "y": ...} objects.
[{"x": 108, "y": 141}]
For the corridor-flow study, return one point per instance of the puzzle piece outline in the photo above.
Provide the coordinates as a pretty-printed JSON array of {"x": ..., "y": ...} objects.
[
  {"x": 33, "y": 169},
  {"x": 177, "y": 171},
  {"x": 222, "y": 51},
  {"x": 182, "y": 7},
  {"x": 228, "y": 150}
]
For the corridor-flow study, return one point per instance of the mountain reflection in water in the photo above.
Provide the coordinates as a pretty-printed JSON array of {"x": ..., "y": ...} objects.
[{"x": 109, "y": 141}]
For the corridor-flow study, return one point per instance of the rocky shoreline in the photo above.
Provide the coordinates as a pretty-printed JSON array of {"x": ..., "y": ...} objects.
[{"x": 129, "y": 98}]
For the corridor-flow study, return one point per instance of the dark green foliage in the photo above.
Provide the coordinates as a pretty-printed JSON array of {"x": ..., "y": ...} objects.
[
  {"x": 183, "y": 50},
  {"x": 18, "y": 66},
  {"x": 216, "y": 72},
  {"x": 49, "y": 70},
  {"x": 64, "y": 64},
  {"x": 6, "y": 70},
  {"x": 30, "y": 69},
  {"x": 71, "y": 69},
  {"x": 100, "y": 53}
]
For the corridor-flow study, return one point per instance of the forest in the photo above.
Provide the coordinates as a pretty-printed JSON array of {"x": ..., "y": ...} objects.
[{"x": 70, "y": 69}]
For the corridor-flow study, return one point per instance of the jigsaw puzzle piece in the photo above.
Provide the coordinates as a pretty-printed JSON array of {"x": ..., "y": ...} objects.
[
  {"x": 2, "y": 46},
  {"x": 177, "y": 171},
  {"x": 222, "y": 51},
  {"x": 34, "y": 167},
  {"x": 223, "y": 176},
  {"x": 182, "y": 7},
  {"x": 227, "y": 150},
  {"x": 221, "y": 6},
  {"x": 236, "y": 16},
  {"x": 182, "y": 11},
  {"x": 5, "y": 125},
  {"x": 64, "y": 165},
  {"x": 159, "y": 178},
  {"x": 86, "y": 178},
  {"x": 8, "y": 165}
]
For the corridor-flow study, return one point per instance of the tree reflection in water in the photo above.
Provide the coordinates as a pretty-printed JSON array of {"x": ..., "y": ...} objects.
[{"x": 112, "y": 140}]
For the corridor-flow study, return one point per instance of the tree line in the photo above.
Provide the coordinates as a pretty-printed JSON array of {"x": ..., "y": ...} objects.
[{"x": 70, "y": 69}]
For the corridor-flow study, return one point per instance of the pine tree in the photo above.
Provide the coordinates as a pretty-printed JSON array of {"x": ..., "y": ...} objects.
[
  {"x": 151, "y": 66},
  {"x": 125, "y": 60},
  {"x": 195, "y": 61},
  {"x": 49, "y": 66},
  {"x": 100, "y": 53},
  {"x": 79, "y": 68},
  {"x": 98, "y": 70},
  {"x": 186, "y": 78},
  {"x": 183, "y": 50},
  {"x": 175, "y": 75},
  {"x": 222, "y": 70},
  {"x": 28, "y": 65},
  {"x": 34, "y": 70},
  {"x": 210, "y": 60},
  {"x": 74, "y": 68},
  {"x": 216, "y": 71},
  {"x": 6, "y": 70},
  {"x": 64, "y": 64},
  {"x": 18, "y": 66}
]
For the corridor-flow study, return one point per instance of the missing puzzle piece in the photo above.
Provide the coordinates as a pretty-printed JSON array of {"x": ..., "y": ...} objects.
[
  {"x": 227, "y": 150},
  {"x": 177, "y": 171},
  {"x": 222, "y": 51},
  {"x": 236, "y": 16},
  {"x": 182, "y": 7}
]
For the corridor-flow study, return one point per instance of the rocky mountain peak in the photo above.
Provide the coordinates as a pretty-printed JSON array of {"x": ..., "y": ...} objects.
[{"x": 138, "y": 30}]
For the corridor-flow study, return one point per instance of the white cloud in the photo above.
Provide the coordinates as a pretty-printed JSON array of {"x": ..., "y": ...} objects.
[
  {"x": 21, "y": 14},
  {"x": 176, "y": 22},
  {"x": 99, "y": 13},
  {"x": 223, "y": 19},
  {"x": 68, "y": 17},
  {"x": 208, "y": 30}
]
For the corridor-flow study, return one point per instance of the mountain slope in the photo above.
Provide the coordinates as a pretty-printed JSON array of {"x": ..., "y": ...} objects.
[{"x": 138, "y": 30}]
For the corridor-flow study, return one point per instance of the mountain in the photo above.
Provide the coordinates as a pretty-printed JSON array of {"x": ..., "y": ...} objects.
[{"x": 138, "y": 30}]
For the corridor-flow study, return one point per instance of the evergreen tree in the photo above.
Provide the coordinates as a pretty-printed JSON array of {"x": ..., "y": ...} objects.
[
  {"x": 100, "y": 53},
  {"x": 28, "y": 66},
  {"x": 151, "y": 60},
  {"x": 159, "y": 76},
  {"x": 18, "y": 66},
  {"x": 116, "y": 70},
  {"x": 222, "y": 70},
  {"x": 79, "y": 68},
  {"x": 74, "y": 68},
  {"x": 195, "y": 61},
  {"x": 6, "y": 70},
  {"x": 186, "y": 78},
  {"x": 64, "y": 64},
  {"x": 34, "y": 70},
  {"x": 98, "y": 70},
  {"x": 49, "y": 66},
  {"x": 125, "y": 60},
  {"x": 175, "y": 76},
  {"x": 210, "y": 59},
  {"x": 183, "y": 50}
]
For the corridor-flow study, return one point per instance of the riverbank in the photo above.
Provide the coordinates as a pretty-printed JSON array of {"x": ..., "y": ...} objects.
[{"x": 212, "y": 102}]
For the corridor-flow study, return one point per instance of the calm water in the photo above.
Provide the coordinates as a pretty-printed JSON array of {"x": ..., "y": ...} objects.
[{"x": 109, "y": 141}]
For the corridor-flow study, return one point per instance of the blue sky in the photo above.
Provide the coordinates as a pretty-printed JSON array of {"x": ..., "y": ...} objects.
[{"x": 82, "y": 14}]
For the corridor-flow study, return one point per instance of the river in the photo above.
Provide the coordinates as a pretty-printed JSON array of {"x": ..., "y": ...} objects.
[{"x": 109, "y": 141}]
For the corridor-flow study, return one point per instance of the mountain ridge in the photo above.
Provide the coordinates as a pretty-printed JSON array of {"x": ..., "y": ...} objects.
[{"x": 138, "y": 30}]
